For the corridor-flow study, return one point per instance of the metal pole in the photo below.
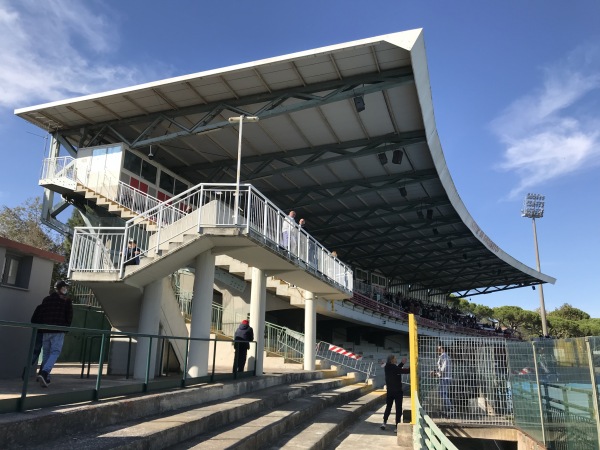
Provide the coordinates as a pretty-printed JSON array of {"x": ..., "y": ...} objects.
[
  {"x": 539, "y": 393},
  {"x": 594, "y": 385},
  {"x": 239, "y": 168},
  {"x": 542, "y": 305}
]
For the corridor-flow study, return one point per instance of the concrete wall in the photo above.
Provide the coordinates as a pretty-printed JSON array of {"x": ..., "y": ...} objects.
[{"x": 17, "y": 305}]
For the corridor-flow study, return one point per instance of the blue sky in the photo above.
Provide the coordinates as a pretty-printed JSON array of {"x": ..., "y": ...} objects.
[{"x": 515, "y": 84}]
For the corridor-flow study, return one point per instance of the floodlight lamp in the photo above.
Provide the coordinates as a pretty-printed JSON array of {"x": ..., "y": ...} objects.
[
  {"x": 420, "y": 214},
  {"x": 236, "y": 119},
  {"x": 397, "y": 156},
  {"x": 435, "y": 231},
  {"x": 359, "y": 103},
  {"x": 429, "y": 214},
  {"x": 382, "y": 158},
  {"x": 533, "y": 206},
  {"x": 403, "y": 192}
]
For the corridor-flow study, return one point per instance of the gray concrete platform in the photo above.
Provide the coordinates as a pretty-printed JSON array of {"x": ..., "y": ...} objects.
[{"x": 366, "y": 434}]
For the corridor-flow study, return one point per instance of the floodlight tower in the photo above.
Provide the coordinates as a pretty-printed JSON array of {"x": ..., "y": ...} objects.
[{"x": 533, "y": 207}]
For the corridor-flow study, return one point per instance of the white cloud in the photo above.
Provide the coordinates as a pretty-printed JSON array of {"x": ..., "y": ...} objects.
[
  {"x": 554, "y": 132},
  {"x": 54, "y": 49}
]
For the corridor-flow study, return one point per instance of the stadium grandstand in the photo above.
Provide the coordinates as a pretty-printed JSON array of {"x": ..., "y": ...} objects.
[{"x": 306, "y": 193}]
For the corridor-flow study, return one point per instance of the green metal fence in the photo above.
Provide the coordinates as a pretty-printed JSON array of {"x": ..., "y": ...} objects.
[
  {"x": 28, "y": 400},
  {"x": 555, "y": 391}
]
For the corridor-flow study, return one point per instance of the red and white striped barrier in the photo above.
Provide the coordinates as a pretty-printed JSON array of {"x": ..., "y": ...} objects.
[{"x": 341, "y": 351}]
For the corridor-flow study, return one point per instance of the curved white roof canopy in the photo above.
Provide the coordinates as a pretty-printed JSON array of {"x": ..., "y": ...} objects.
[{"x": 313, "y": 152}]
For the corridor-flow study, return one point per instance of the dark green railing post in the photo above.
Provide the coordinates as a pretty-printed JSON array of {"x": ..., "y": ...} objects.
[
  {"x": 168, "y": 358},
  {"x": 160, "y": 360},
  {"x": 185, "y": 362},
  {"x": 100, "y": 368},
  {"x": 148, "y": 362},
  {"x": 212, "y": 374},
  {"x": 128, "y": 359},
  {"x": 83, "y": 351},
  {"x": 28, "y": 364}
]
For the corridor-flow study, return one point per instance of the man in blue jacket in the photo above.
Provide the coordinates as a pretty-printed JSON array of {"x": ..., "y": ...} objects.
[{"x": 243, "y": 336}]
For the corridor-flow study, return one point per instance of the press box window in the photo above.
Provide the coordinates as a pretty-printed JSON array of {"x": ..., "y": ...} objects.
[{"x": 16, "y": 271}]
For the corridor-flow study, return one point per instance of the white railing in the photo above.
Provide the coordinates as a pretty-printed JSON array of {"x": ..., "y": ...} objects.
[
  {"x": 349, "y": 362},
  {"x": 61, "y": 167},
  {"x": 208, "y": 206},
  {"x": 66, "y": 167}
]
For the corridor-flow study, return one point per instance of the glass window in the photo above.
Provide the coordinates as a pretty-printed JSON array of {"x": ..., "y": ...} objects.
[
  {"x": 132, "y": 163},
  {"x": 11, "y": 269},
  {"x": 180, "y": 187},
  {"x": 99, "y": 152},
  {"x": 167, "y": 182},
  {"x": 148, "y": 172}
]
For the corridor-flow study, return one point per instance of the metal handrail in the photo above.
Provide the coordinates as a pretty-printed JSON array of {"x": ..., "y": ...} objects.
[
  {"x": 105, "y": 184},
  {"x": 204, "y": 205},
  {"x": 105, "y": 336},
  {"x": 426, "y": 434},
  {"x": 324, "y": 352}
]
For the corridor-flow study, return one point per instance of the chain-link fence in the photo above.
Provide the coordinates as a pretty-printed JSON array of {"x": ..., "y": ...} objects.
[
  {"x": 465, "y": 379},
  {"x": 547, "y": 388}
]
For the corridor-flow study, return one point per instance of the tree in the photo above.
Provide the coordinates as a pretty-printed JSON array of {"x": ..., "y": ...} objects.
[
  {"x": 528, "y": 323},
  {"x": 589, "y": 327},
  {"x": 569, "y": 312},
  {"x": 483, "y": 312},
  {"x": 23, "y": 224},
  {"x": 564, "y": 328}
]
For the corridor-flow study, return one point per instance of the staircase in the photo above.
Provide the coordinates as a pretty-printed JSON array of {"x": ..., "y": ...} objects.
[{"x": 293, "y": 410}]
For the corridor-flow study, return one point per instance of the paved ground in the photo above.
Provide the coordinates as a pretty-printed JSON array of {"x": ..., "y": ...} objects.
[
  {"x": 366, "y": 434},
  {"x": 66, "y": 377}
]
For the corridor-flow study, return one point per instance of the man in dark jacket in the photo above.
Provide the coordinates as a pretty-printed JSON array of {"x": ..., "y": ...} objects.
[
  {"x": 393, "y": 382},
  {"x": 243, "y": 336},
  {"x": 56, "y": 309}
]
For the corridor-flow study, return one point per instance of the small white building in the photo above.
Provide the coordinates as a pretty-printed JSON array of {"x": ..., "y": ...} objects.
[{"x": 26, "y": 274}]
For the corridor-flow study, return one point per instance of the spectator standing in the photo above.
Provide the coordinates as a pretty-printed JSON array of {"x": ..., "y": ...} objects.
[
  {"x": 289, "y": 223},
  {"x": 393, "y": 383},
  {"x": 56, "y": 309},
  {"x": 444, "y": 373},
  {"x": 243, "y": 336}
]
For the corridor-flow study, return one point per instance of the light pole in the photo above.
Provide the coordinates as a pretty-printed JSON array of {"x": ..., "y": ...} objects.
[
  {"x": 533, "y": 207},
  {"x": 240, "y": 119}
]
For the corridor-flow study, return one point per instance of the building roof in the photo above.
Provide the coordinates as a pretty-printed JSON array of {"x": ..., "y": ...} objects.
[
  {"x": 25, "y": 249},
  {"x": 372, "y": 184}
]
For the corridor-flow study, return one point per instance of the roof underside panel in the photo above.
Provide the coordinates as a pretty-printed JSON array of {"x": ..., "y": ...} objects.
[{"x": 371, "y": 184}]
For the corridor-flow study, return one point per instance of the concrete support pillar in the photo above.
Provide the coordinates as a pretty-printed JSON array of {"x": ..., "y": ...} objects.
[
  {"x": 258, "y": 301},
  {"x": 310, "y": 331},
  {"x": 201, "y": 314},
  {"x": 149, "y": 323}
]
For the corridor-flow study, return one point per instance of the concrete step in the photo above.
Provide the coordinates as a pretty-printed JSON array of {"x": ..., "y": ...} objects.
[
  {"x": 325, "y": 427},
  {"x": 45, "y": 427},
  {"x": 261, "y": 430},
  {"x": 173, "y": 427}
]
